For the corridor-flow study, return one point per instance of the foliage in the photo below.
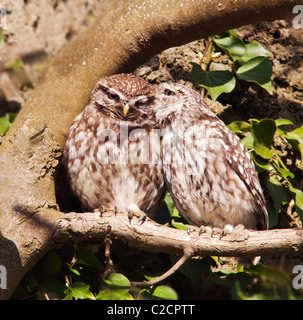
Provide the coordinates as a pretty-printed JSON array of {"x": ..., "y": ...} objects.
[
  {"x": 249, "y": 63},
  {"x": 5, "y": 122},
  {"x": 82, "y": 278},
  {"x": 263, "y": 138}
]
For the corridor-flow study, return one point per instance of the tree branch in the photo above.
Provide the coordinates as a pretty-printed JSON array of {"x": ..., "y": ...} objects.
[{"x": 150, "y": 236}]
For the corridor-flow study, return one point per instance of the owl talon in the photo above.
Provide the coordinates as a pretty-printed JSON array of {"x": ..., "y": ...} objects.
[
  {"x": 210, "y": 231},
  {"x": 101, "y": 209},
  {"x": 201, "y": 230},
  {"x": 227, "y": 230},
  {"x": 188, "y": 231},
  {"x": 130, "y": 216},
  {"x": 143, "y": 219}
]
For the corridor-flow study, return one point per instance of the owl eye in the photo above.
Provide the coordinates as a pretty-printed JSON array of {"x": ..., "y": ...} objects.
[
  {"x": 113, "y": 96},
  {"x": 168, "y": 92}
]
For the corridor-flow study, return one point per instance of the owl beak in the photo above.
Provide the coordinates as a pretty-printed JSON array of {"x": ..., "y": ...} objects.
[{"x": 125, "y": 109}]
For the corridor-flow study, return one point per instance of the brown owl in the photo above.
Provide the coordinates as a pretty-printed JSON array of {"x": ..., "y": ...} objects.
[
  {"x": 112, "y": 153},
  {"x": 208, "y": 170}
]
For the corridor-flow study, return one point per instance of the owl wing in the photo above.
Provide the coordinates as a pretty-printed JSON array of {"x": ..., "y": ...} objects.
[{"x": 237, "y": 157}]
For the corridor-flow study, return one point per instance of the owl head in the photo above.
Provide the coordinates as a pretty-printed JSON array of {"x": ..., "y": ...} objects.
[
  {"x": 178, "y": 102},
  {"x": 124, "y": 97}
]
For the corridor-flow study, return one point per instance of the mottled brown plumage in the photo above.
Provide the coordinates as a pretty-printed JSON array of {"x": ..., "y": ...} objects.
[
  {"x": 112, "y": 153},
  {"x": 208, "y": 170}
]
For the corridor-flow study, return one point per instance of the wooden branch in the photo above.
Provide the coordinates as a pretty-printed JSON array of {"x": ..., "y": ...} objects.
[{"x": 151, "y": 236}]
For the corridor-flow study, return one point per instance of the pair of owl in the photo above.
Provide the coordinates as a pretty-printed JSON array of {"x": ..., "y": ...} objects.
[{"x": 205, "y": 166}]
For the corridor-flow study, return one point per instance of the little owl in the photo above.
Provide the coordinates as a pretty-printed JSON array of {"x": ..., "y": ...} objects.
[
  {"x": 112, "y": 153},
  {"x": 207, "y": 168}
]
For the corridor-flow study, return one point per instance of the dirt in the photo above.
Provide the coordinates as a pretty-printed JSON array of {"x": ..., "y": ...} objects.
[
  {"x": 248, "y": 100},
  {"x": 37, "y": 30}
]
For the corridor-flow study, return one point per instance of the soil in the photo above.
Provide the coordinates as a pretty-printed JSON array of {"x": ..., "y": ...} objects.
[
  {"x": 37, "y": 30},
  {"x": 248, "y": 100}
]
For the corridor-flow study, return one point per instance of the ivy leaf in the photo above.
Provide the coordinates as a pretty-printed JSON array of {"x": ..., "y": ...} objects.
[
  {"x": 263, "y": 133},
  {"x": 278, "y": 192},
  {"x": 169, "y": 202},
  {"x": 165, "y": 292},
  {"x": 253, "y": 50},
  {"x": 118, "y": 280},
  {"x": 118, "y": 289},
  {"x": 298, "y": 196},
  {"x": 114, "y": 294},
  {"x": 297, "y": 134},
  {"x": 50, "y": 264},
  {"x": 285, "y": 173},
  {"x": 239, "y": 127},
  {"x": 257, "y": 70},
  {"x": 216, "y": 82},
  {"x": 4, "y": 125},
  {"x": 248, "y": 141},
  {"x": 260, "y": 163},
  {"x": 15, "y": 64},
  {"x": 86, "y": 257},
  {"x": 78, "y": 290},
  {"x": 273, "y": 217},
  {"x": 233, "y": 46}
]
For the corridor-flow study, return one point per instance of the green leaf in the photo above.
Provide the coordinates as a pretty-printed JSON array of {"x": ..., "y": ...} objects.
[
  {"x": 179, "y": 225},
  {"x": 299, "y": 131},
  {"x": 298, "y": 196},
  {"x": 169, "y": 202},
  {"x": 253, "y": 50},
  {"x": 117, "y": 279},
  {"x": 233, "y": 46},
  {"x": 283, "y": 122},
  {"x": 52, "y": 287},
  {"x": 216, "y": 82},
  {"x": 86, "y": 257},
  {"x": 119, "y": 287},
  {"x": 78, "y": 290},
  {"x": 15, "y": 64},
  {"x": 165, "y": 292},
  {"x": 285, "y": 173},
  {"x": 194, "y": 269},
  {"x": 273, "y": 217},
  {"x": 257, "y": 70},
  {"x": 4, "y": 125},
  {"x": 263, "y": 133},
  {"x": 278, "y": 192},
  {"x": 271, "y": 274},
  {"x": 260, "y": 163},
  {"x": 297, "y": 135},
  {"x": 239, "y": 127},
  {"x": 73, "y": 270},
  {"x": 50, "y": 264},
  {"x": 114, "y": 294},
  {"x": 248, "y": 141}
]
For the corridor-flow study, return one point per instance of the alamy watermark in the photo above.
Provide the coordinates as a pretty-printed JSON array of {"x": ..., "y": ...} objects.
[
  {"x": 298, "y": 20},
  {"x": 3, "y": 18},
  {"x": 140, "y": 146},
  {"x": 3, "y": 277},
  {"x": 297, "y": 281}
]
